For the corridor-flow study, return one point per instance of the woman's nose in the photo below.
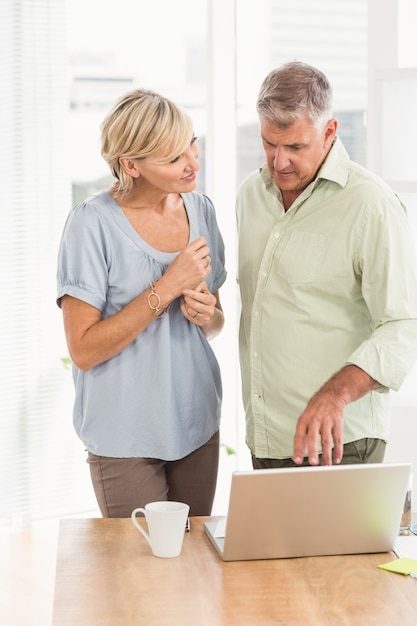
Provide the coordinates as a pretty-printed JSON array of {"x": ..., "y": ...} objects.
[{"x": 192, "y": 158}]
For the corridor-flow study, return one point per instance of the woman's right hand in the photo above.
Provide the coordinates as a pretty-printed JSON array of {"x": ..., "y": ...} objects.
[{"x": 190, "y": 267}]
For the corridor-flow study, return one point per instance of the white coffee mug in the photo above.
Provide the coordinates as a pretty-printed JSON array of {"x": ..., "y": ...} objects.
[{"x": 166, "y": 524}]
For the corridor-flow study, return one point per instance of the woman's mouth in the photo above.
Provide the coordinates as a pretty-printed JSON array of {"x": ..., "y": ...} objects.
[{"x": 190, "y": 178}]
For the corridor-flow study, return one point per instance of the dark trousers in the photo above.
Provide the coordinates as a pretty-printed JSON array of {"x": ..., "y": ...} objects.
[{"x": 360, "y": 451}]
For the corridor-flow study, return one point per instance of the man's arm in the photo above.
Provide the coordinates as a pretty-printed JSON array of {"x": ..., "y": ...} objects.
[{"x": 323, "y": 415}]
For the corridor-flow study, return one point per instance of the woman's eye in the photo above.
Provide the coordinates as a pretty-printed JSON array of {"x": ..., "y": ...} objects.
[{"x": 193, "y": 140}]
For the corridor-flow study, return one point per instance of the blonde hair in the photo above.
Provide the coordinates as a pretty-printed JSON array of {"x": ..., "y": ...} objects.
[{"x": 140, "y": 123}]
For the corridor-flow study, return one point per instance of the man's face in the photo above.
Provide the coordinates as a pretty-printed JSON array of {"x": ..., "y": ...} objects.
[{"x": 295, "y": 154}]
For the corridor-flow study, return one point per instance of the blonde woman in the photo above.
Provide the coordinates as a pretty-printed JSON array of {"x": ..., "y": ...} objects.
[{"x": 139, "y": 272}]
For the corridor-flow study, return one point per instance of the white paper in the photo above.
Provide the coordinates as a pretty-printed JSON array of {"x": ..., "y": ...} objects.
[{"x": 406, "y": 546}]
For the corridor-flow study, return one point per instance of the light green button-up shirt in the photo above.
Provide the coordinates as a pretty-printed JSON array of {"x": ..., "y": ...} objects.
[{"x": 331, "y": 281}]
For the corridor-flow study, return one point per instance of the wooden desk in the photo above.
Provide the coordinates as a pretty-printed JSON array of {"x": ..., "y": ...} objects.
[{"x": 107, "y": 576}]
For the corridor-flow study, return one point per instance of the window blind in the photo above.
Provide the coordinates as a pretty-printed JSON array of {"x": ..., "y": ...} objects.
[{"x": 39, "y": 454}]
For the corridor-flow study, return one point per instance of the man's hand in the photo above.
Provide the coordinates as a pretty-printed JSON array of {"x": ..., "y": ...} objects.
[{"x": 322, "y": 419}]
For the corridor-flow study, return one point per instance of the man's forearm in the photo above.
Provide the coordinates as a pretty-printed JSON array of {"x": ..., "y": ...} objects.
[{"x": 350, "y": 383}]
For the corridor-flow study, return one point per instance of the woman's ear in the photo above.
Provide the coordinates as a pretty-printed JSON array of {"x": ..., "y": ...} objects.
[{"x": 129, "y": 166}]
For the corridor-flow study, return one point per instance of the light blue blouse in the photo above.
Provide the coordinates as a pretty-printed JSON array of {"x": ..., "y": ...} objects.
[{"x": 161, "y": 396}]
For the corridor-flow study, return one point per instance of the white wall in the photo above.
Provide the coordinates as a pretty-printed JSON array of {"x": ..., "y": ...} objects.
[{"x": 391, "y": 150}]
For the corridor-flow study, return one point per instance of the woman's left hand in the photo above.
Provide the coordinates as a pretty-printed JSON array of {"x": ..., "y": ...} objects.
[{"x": 198, "y": 305}]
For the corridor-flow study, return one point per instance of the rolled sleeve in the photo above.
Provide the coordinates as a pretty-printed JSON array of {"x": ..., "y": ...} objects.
[{"x": 383, "y": 361}]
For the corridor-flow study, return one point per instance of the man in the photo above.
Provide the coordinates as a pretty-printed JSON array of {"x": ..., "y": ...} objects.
[{"x": 328, "y": 282}]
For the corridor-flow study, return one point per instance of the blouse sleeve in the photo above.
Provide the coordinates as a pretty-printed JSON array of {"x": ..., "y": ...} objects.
[{"x": 83, "y": 257}]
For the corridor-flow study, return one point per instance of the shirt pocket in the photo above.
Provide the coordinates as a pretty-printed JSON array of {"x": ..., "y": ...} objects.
[{"x": 301, "y": 256}]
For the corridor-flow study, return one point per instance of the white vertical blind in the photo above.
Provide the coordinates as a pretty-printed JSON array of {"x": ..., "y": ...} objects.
[{"x": 35, "y": 454}]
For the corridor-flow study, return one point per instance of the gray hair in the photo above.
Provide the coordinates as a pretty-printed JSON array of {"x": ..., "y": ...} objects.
[{"x": 292, "y": 91}]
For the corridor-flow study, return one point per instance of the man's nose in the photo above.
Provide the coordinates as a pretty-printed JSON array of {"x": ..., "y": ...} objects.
[{"x": 280, "y": 159}]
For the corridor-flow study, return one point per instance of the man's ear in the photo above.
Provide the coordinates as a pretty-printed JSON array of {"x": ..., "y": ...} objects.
[{"x": 330, "y": 132}]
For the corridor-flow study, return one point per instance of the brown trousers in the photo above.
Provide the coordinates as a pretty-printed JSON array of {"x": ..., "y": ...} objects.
[{"x": 122, "y": 485}]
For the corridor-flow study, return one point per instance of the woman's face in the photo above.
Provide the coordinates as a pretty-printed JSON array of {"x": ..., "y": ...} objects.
[{"x": 179, "y": 175}]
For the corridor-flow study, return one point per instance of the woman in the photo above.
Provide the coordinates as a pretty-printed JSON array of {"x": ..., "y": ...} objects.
[{"x": 139, "y": 270}]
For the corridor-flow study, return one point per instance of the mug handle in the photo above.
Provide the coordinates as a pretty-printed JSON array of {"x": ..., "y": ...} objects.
[{"x": 139, "y": 526}]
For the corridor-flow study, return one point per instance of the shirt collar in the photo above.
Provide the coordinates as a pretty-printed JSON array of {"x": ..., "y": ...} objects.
[{"x": 336, "y": 165}]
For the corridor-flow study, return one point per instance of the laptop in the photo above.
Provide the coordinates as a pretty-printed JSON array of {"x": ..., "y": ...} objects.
[{"x": 311, "y": 511}]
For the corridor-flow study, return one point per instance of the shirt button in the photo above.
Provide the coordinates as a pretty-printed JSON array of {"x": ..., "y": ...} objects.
[{"x": 276, "y": 235}]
